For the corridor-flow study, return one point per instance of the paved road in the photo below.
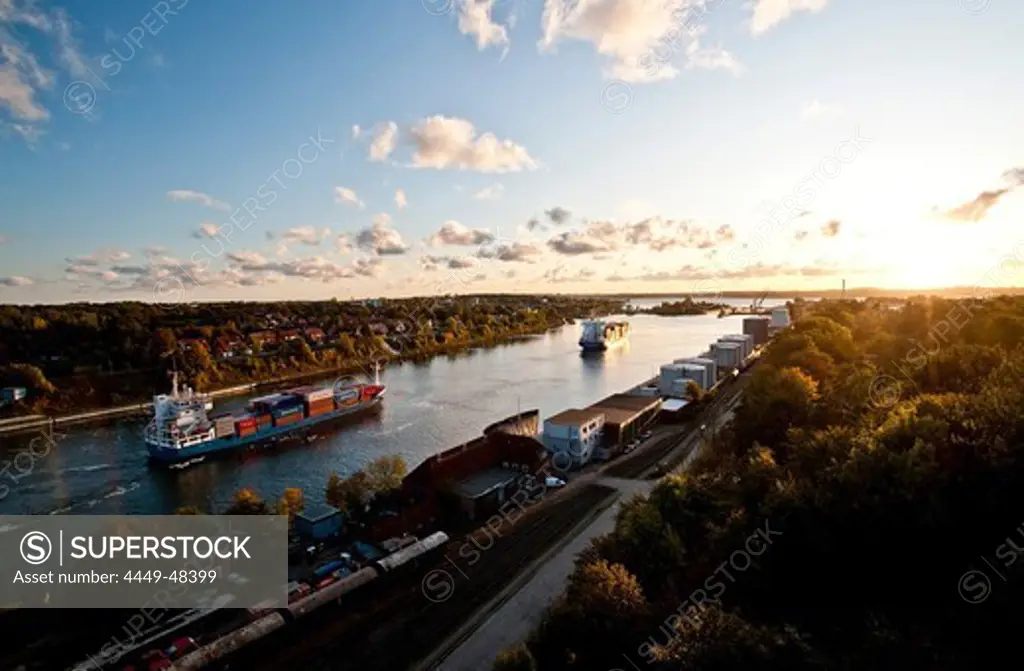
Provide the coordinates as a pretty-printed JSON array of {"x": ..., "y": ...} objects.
[{"x": 513, "y": 620}]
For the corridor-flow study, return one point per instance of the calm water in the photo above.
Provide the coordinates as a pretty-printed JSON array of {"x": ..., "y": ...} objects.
[{"x": 429, "y": 407}]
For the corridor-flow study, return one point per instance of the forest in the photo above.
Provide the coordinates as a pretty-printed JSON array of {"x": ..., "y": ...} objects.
[
  {"x": 85, "y": 356},
  {"x": 862, "y": 511}
]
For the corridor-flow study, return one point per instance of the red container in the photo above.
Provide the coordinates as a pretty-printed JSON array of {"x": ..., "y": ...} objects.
[
  {"x": 287, "y": 419},
  {"x": 325, "y": 582}
]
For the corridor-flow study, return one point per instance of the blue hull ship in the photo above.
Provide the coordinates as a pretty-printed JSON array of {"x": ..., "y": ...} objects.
[{"x": 182, "y": 433}]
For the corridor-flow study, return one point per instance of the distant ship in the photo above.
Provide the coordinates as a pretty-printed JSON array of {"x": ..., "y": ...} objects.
[
  {"x": 181, "y": 433},
  {"x": 599, "y": 335}
]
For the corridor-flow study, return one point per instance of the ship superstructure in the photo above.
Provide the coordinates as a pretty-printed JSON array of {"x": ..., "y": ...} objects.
[
  {"x": 181, "y": 431},
  {"x": 599, "y": 335}
]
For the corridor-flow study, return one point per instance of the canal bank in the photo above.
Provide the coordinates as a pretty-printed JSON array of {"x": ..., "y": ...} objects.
[{"x": 430, "y": 406}]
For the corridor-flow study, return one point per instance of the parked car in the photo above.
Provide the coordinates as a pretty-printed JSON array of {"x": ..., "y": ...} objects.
[
  {"x": 552, "y": 482},
  {"x": 644, "y": 435}
]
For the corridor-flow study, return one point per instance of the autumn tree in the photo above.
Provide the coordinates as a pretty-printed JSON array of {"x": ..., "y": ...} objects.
[
  {"x": 386, "y": 473},
  {"x": 517, "y": 658},
  {"x": 247, "y": 502},
  {"x": 291, "y": 502}
]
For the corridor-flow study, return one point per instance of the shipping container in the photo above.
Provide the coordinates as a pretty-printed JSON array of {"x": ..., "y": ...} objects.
[
  {"x": 224, "y": 426},
  {"x": 321, "y": 394},
  {"x": 317, "y": 408},
  {"x": 263, "y": 421},
  {"x": 328, "y": 568},
  {"x": 287, "y": 419}
]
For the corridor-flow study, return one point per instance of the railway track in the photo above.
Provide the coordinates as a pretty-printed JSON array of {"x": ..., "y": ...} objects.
[{"x": 405, "y": 625}]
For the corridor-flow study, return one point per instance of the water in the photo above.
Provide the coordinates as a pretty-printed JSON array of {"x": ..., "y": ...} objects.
[{"x": 429, "y": 407}]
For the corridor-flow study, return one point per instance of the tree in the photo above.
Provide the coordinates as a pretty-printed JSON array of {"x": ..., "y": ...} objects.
[
  {"x": 386, "y": 473},
  {"x": 188, "y": 510},
  {"x": 348, "y": 494},
  {"x": 247, "y": 502},
  {"x": 693, "y": 393},
  {"x": 291, "y": 502},
  {"x": 517, "y": 658}
]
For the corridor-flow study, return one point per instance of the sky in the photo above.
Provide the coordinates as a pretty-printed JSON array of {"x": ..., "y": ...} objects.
[{"x": 191, "y": 151}]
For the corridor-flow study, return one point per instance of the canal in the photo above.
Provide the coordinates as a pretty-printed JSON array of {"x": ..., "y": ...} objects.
[{"x": 429, "y": 407}]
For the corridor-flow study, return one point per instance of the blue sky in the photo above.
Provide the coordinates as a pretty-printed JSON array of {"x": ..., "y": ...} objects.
[{"x": 540, "y": 145}]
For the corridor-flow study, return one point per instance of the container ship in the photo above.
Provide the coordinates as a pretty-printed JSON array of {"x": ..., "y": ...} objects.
[
  {"x": 182, "y": 433},
  {"x": 599, "y": 336}
]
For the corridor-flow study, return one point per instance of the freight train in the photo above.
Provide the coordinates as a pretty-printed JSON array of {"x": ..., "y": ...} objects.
[{"x": 263, "y": 623}]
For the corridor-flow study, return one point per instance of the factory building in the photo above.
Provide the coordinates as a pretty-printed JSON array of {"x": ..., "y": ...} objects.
[
  {"x": 780, "y": 317},
  {"x": 691, "y": 372},
  {"x": 576, "y": 433},
  {"x": 756, "y": 328},
  {"x": 625, "y": 417},
  {"x": 669, "y": 373}
]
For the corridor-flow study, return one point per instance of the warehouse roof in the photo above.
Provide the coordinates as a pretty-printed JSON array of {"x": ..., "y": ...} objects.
[
  {"x": 619, "y": 415},
  {"x": 627, "y": 402},
  {"x": 575, "y": 416},
  {"x": 317, "y": 512}
]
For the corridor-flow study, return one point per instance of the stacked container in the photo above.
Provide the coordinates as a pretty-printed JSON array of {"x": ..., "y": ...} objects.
[
  {"x": 318, "y": 402},
  {"x": 347, "y": 397},
  {"x": 224, "y": 426},
  {"x": 263, "y": 422},
  {"x": 245, "y": 426}
]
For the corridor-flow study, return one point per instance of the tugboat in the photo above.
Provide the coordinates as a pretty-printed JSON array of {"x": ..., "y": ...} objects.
[
  {"x": 599, "y": 336},
  {"x": 181, "y": 432}
]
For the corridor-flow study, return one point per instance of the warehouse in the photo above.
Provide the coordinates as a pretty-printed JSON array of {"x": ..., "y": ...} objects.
[
  {"x": 576, "y": 433},
  {"x": 482, "y": 494},
  {"x": 318, "y": 522},
  {"x": 626, "y": 416}
]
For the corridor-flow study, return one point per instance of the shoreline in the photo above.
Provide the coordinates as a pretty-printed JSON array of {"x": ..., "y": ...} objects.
[{"x": 14, "y": 426}]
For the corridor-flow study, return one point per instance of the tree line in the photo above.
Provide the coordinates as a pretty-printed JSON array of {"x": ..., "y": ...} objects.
[{"x": 861, "y": 511}]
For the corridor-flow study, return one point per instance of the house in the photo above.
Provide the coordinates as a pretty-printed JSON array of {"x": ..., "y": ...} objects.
[
  {"x": 575, "y": 433},
  {"x": 229, "y": 346},
  {"x": 315, "y": 335},
  {"x": 263, "y": 338}
]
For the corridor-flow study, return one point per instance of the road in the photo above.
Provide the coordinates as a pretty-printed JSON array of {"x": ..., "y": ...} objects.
[{"x": 509, "y": 620}]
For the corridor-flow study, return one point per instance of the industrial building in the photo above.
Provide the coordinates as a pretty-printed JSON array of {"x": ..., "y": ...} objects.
[
  {"x": 756, "y": 328},
  {"x": 576, "y": 433},
  {"x": 669, "y": 373},
  {"x": 747, "y": 341},
  {"x": 318, "y": 522},
  {"x": 727, "y": 354},
  {"x": 710, "y": 367},
  {"x": 780, "y": 317},
  {"x": 625, "y": 417}
]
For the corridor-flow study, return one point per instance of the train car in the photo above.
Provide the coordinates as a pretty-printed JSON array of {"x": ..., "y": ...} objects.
[
  {"x": 341, "y": 590},
  {"x": 229, "y": 643},
  {"x": 413, "y": 555}
]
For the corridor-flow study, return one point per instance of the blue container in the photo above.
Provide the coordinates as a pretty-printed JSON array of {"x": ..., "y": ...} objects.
[{"x": 328, "y": 569}]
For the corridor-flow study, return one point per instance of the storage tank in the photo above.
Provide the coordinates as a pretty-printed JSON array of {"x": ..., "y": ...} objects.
[
  {"x": 669, "y": 372},
  {"x": 745, "y": 340},
  {"x": 757, "y": 328},
  {"x": 728, "y": 354},
  {"x": 707, "y": 363}
]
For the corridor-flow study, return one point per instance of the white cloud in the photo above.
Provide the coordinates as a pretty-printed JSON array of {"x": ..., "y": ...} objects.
[
  {"x": 343, "y": 243},
  {"x": 307, "y": 235},
  {"x": 20, "y": 78},
  {"x": 198, "y": 197},
  {"x": 476, "y": 19},
  {"x": 491, "y": 192},
  {"x": 769, "y": 13},
  {"x": 451, "y": 143},
  {"x": 816, "y": 109},
  {"x": 356, "y": 131},
  {"x": 380, "y": 238},
  {"x": 385, "y": 137},
  {"x": 16, "y": 281},
  {"x": 454, "y": 233},
  {"x": 206, "y": 230},
  {"x": 347, "y": 196},
  {"x": 400, "y": 200}
]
